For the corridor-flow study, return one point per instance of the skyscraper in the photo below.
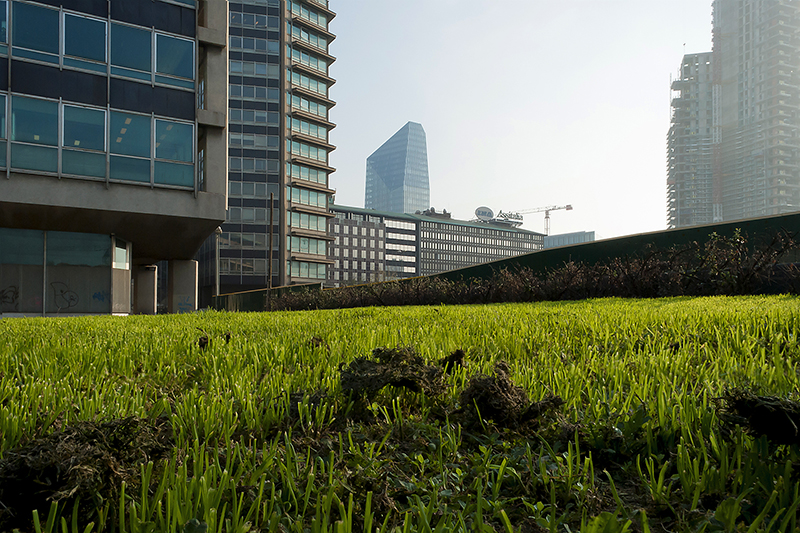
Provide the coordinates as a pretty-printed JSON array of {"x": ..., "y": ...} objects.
[
  {"x": 755, "y": 131},
  {"x": 689, "y": 145},
  {"x": 397, "y": 173},
  {"x": 279, "y": 145}
]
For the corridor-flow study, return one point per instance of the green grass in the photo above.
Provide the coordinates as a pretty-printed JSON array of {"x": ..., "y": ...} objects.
[{"x": 637, "y": 444}]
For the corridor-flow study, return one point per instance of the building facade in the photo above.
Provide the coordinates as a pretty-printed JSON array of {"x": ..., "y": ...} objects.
[
  {"x": 397, "y": 173},
  {"x": 754, "y": 137},
  {"x": 690, "y": 153},
  {"x": 275, "y": 233},
  {"x": 568, "y": 239},
  {"x": 370, "y": 246},
  {"x": 113, "y": 146}
]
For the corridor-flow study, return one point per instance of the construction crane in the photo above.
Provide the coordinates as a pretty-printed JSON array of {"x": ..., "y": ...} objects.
[{"x": 517, "y": 215}]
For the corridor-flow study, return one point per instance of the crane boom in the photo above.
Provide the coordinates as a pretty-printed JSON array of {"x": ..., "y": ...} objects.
[{"x": 517, "y": 215}]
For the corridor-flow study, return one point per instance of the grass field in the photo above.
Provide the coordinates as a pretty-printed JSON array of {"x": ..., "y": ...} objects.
[{"x": 126, "y": 424}]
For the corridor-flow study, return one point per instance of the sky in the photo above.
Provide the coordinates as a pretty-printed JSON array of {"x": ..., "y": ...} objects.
[{"x": 525, "y": 103}]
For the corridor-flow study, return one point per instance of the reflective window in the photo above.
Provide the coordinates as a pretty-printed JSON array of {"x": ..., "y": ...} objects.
[
  {"x": 3, "y": 21},
  {"x": 126, "y": 168},
  {"x": 174, "y": 57},
  {"x": 84, "y": 37},
  {"x": 130, "y": 47},
  {"x": 174, "y": 141},
  {"x": 84, "y": 128},
  {"x": 34, "y": 121},
  {"x": 130, "y": 134},
  {"x": 35, "y": 27}
]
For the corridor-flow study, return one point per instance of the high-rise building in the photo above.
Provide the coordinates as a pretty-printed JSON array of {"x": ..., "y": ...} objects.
[
  {"x": 279, "y": 147},
  {"x": 113, "y": 146},
  {"x": 755, "y": 131},
  {"x": 690, "y": 158},
  {"x": 397, "y": 173}
]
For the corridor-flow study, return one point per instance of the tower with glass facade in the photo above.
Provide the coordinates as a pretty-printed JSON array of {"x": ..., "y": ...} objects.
[
  {"x": 275, "y": 233},
  {"x": 397, "y": 173},
  {"x": 113, "y": 141}
]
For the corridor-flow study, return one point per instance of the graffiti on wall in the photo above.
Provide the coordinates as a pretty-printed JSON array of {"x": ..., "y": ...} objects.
[
  {"x": 63, "y": 298},
  {"x": 10, "y": 297}
]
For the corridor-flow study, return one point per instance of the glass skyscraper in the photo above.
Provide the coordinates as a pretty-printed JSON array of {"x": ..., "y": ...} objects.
[{"x": 397, "y": 173}]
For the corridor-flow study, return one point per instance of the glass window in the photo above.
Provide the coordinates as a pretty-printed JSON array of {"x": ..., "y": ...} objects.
[
  {"x": 84, "y": 128},
  {"x": 174, "y": 174},
  {"x": 174, "y": 57},
  {"x": 34, "y": 121},
  {"x": 126, "y": 168},
  {"x": 174, "y": 141},
  {"x": 130, "y": 134},
  {"x": 130, "y": 47},
  {"x": 83, "y": 163},
  {"x": 35, "y": 28},
  {"x": 84, "y": 37},
  {"x": 3, "y": 21}
]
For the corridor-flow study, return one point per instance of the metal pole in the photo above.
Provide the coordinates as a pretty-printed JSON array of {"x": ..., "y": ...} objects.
[
  {"x": 217, "y": 233},
  {"x": 269, "y": 240}
]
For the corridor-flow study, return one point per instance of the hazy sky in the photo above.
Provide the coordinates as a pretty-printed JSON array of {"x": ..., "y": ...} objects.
[{"x": 525, "y": 103}]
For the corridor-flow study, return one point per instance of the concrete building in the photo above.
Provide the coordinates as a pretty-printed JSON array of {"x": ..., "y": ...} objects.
[
  {"x": 113, "y": 146},
  {"x": 397, "y": 173},
  {"x": 370, "y": 245},
  {"x": 754, "y": 136},
  {"x": 690, "y": 153},
  {"x": 279, "y": 148}
]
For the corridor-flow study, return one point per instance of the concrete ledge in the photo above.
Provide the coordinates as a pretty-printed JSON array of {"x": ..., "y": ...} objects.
[
  {"x": 213, "y": 119},
  {"x": 212, "y": 37}
]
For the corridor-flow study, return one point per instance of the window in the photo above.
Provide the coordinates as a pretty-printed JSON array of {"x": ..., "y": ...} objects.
[
  {"x": 130, "y": 136},
  {"x": 3, "y": 22},
  {"x": 2, "y": 130},
  {"x": 174, "y": 56},
  {"x": 35, "y": 122},
  {"x": 84, "y": 38},
  {"x": 84, "y": 141},
  {"x": 131, "y": 49},
  {"x": 35, "y": 29}
]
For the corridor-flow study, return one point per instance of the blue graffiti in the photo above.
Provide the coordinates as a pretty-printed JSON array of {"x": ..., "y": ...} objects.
[{"x": 101, "y": 296}]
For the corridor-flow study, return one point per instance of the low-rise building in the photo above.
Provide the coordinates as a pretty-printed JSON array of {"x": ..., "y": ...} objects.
[{"x": 371, "y": 245}]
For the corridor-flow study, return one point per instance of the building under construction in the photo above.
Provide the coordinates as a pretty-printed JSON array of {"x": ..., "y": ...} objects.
[{"x": 732, "y": 148}]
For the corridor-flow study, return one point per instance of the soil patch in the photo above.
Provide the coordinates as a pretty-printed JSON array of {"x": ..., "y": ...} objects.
[
  {"x": 776, "y": 418},
  {"x": 80, "y": 461},
  {"x": 398, "y": 367},
  {"x": 497, "y": 398}
]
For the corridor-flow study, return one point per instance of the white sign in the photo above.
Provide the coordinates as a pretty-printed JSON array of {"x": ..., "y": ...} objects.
[{"x": 484, "y": 213}]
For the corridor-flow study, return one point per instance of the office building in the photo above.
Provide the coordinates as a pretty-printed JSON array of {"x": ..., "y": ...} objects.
[
  {"x": 370, "y": 245},
  {"x": 755, "y": 93},
  {"x": 113, "y": 146},
  {"x": 397, "y": 173},
  {"x": 279, "y": 148}
]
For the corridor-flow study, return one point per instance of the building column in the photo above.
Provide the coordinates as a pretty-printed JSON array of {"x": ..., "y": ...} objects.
[
  {"x": 145, "y": 298},
  {"x": 182, "y": 286}
]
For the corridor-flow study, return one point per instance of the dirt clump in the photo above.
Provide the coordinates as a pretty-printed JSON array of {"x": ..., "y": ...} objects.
[
  {"x": 776, "y": 418},
  {"x": 453, "y": 361},
  {"x": 87, "y": 460},
  {"x": 398, "y": 367},
  {"x": 497, "y": 398}
]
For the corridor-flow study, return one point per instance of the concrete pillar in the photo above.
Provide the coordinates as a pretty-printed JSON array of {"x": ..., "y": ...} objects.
[
  {"x": 182, "y": 286},
  {"x": 145, "y": 299}
]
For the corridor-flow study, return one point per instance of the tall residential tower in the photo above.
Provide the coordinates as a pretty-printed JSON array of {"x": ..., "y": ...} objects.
[
  {"x": 755, "y": 131},
  {"x": 397, "y": 173},
  {"x": 279, "y": 126}
]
